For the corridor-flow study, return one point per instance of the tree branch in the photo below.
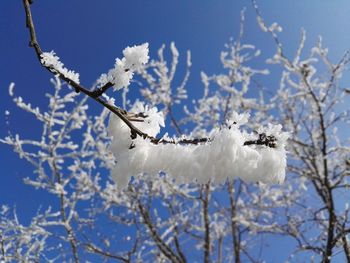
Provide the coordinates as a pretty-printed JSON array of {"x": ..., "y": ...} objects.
[
  {"x": 207, "y": 241},
  {"x": 234, "y": 227},
  {"x": 166, "y": 250},
  {"x": 94, "y": 249}
]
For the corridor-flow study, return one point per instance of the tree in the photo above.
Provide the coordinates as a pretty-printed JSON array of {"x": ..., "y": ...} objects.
[{"x": 157, "y": 217}]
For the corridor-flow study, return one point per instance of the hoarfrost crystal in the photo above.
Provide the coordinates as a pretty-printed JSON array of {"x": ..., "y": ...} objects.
[
  {"x": 120, "y": 76},
  {"x": 49, "y": 59},
  {"x": 224, "y": 157}
]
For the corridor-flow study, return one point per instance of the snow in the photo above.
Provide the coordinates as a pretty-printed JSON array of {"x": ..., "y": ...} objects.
[
  {"x": 224, "y": 157},
  {"x": 11, "y": 87},
  {"x": 120, "y": 76},
  {"x": 49, "y": 59},
  {"x": 136, "y": 56}
]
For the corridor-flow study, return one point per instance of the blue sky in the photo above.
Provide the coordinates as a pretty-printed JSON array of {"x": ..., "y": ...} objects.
[{"x": 88, "y": 35}]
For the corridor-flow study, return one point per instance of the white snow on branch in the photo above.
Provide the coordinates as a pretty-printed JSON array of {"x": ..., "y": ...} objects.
[
  {"x": 51, "y": 60},
  {"x": 120, "y": 76},
  {"x": 135, "y": 57},
  {"x": 11, "y": 88},
  {"x": 224, "y": 157}
]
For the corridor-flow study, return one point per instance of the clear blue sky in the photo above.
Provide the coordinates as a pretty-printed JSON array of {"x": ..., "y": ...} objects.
[{"x": 88, "y": 35}]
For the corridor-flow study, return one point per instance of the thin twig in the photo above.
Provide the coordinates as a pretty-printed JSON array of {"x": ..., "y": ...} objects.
[{"x": 96, "y": 250}]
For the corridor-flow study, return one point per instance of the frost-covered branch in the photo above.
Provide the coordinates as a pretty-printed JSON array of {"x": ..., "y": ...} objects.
[{"x": 225, "y": 156}]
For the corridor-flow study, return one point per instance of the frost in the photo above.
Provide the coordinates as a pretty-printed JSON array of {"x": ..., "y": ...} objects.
[
  {"x": 120, "y": 76},
  {"x": 11, "y": 87},
  {"x": 4, "y": 209},
  {"x": 49, "y": 59},
  {"x": 158, "y": 76},
  {"x": 136, "y": 56},
  {"x": 224, "y": 157},
  {"x": 275, "y": 27},
  {"x": 154, "y": 120},
  {"x": 262, "y": 24}
]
